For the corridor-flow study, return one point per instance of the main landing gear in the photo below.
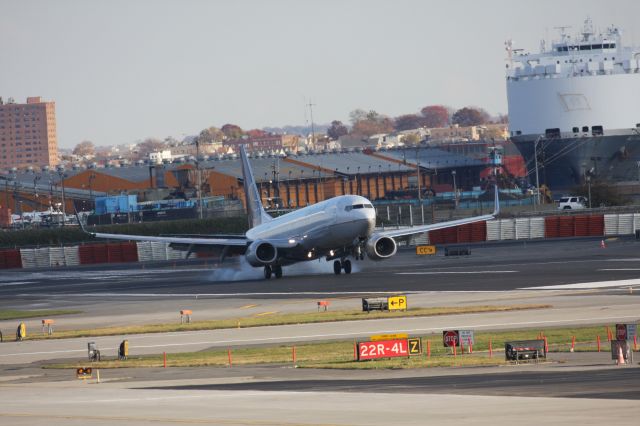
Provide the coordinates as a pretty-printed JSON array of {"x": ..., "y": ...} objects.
[
  {"x": 275, "y": 270},
  {"x": 338, "y": 266}
]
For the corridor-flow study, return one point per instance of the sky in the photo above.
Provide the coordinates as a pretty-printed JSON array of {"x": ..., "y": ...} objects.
[{"x": 124, "y": 70}]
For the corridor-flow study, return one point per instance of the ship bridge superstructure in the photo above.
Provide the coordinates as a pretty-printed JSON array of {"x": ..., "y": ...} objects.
[{"x": 586, "y": 84}]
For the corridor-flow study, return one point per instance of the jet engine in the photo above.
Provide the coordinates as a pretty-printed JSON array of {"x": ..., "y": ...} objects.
[
  {"x": 261, "y": 253},
  {"x": 380, "y": 247}
]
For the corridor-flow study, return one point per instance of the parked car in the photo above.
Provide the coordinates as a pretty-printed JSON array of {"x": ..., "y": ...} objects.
[{"x": 572, "y": 203}]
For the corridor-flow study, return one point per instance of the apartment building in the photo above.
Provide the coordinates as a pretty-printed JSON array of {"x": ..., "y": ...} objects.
[{"x": 28, "y": 134}]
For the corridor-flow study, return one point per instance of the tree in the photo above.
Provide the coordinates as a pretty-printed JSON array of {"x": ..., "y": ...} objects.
[
  {"x": 435, "y": 116},
  {"x": 502, "y": 119},
  {"x": 337, "y": 129},
  {"x": 357, "y": 115},
  {"x": 411, "y": 139},
  {"x": 84, "y": 148},
  {"x": 232, "y": 131},
  {"x": 256, "y": 133},
  {"x": 370, "y": 123},
  {"x": 210, "y": 135},
  {"x": 469, "y": 116},
  {"x": 408, "y": 122},
  {"x": 149, "y": 145}
]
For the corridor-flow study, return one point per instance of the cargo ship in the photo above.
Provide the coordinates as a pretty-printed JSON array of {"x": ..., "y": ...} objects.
[{"x": 573, "y": 111}]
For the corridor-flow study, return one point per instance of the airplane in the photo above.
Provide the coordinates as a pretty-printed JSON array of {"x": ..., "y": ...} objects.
[{"x": 337, "y": 229}]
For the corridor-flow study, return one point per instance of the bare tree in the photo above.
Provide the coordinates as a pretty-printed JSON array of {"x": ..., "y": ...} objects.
[{"x": 84, "y": 148}]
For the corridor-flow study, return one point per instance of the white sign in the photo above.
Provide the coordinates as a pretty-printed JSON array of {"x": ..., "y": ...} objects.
[
  {"x": 631, "y": 331},
  {"x": 466, "y": 337}
]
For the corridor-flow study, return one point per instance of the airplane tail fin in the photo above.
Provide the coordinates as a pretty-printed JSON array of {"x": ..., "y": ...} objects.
[{"x": 256, "y": 212}]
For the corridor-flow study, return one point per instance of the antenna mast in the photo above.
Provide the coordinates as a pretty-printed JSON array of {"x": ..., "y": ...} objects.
[{"x": 313, "y": 133}]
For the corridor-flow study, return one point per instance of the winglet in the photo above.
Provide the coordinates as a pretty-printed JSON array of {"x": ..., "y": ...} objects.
[
  {"x": 496, "y": 202},
  {"x": 256, "y": 212},
  {"x": 80, "y": 222}
]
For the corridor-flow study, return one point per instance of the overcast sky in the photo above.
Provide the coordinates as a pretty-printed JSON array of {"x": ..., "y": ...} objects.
[{"x": 123, "y": 70}]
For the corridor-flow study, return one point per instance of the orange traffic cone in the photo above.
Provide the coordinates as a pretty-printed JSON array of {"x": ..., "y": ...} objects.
[
  {"x": 602, "y": 244},
  {"x": 620, "y": 356}
]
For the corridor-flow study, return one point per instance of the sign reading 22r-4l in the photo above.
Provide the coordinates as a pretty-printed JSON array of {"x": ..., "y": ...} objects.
[{"x": 383, "y": 349}]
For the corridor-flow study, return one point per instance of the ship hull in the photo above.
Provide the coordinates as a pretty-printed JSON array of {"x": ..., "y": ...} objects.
[{"x": 566, "y": 162}]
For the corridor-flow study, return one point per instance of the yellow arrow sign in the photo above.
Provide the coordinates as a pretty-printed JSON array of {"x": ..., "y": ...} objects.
[
  {"x": 425, "y": 250},
  {"x": 397, "y": 303}
]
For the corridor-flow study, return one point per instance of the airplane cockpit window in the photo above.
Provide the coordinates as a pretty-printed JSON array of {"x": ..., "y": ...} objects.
[{"x": 358, "y": 206}]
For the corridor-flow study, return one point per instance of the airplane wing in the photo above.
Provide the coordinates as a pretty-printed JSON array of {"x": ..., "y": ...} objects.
[
  {"x": 393, "y": 233},
  {"x": 188, "y": 240}
]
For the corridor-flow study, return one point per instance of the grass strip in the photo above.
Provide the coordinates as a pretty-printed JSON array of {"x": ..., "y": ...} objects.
[
  {"x": 9, "y": 314},
  {"x": 340, "y": 354},
  {"x": 282, "y": 319}
]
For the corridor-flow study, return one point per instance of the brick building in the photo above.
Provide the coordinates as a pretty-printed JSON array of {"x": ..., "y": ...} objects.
[{"x": 28, "y": 134}]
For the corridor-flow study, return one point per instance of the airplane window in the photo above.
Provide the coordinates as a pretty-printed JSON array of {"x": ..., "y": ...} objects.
[
  {"x": 368, "y": 206},
  {"x": 358, "y": 206},
  {"x": 348, "y": 208}
]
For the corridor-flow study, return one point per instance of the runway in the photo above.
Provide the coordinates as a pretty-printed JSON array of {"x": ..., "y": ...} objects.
[{"x": 489, "y": 268}]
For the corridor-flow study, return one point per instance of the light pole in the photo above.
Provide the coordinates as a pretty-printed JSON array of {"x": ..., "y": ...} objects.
[
  {"x": 199, "y": 178},
  {"x": 535, "y": 156},
  {"x": 455, "y": 190},
  {"x": 64, "y": 208},
  {"x": 418, "y": 172},
  {"x": 589, "y": 189}
]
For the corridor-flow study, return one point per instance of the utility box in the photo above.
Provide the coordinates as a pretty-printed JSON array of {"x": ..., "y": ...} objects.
[
  {"x": 92, "y": 351},
  {"x": 375, "y": 304},
  {"x": 457, "y": 251},
  {"x": 522, "y": 350},
  {"x": 123, "y": 350}
]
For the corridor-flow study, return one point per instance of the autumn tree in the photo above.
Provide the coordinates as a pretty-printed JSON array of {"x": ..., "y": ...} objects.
[
  {"x": 337, "y": 129},
  {"x": 370, "y": 123},
  {"x": 84, "y": 148},
  {"x": 210, "y": 135},
  {"x": 435, "y": 116},
  {"x": 149, "y": 145},
  {"x": 256, "y": 133},
  {"x": 232, "y": 131},
  {"x": 408, "y": 122},
  {"x": 469, "y": 116}
]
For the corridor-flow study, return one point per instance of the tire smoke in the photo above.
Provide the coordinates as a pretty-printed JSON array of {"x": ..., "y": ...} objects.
[{"x": 242, "y": 271}]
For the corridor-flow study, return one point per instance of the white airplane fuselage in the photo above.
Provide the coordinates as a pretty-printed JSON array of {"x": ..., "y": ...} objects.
[{"x": 316, "y": 229}]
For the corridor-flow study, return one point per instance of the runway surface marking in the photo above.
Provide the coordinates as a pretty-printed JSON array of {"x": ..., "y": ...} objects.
[
  {"x": 620, "y": 269},
  {"x": 329, "y": 335},
  {"x": 582, "y": 286},
  {"x": 17, "y": 283},
  {"x": 454, "y": 272}
]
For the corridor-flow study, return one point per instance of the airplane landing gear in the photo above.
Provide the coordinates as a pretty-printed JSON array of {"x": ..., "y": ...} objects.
[
  {"x": 338, "y": 266},
  {"x": 277, "y": 270}
]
